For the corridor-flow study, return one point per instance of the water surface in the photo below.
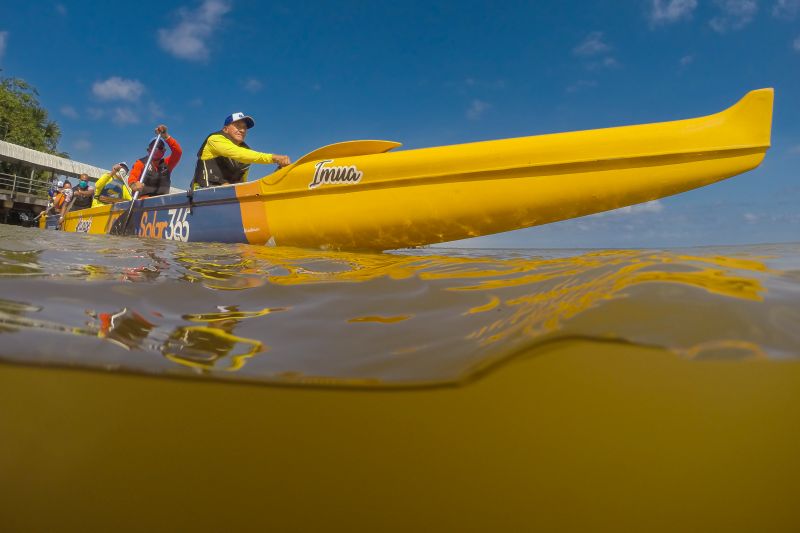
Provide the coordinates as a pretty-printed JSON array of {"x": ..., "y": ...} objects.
[{"x": 434, "y": 316}]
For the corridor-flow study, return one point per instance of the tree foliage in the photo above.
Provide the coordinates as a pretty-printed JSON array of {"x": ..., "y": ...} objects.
[{"x": 23, "y": 120}]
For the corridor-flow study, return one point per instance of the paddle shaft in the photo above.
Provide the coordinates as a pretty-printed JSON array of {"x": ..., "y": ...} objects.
[{"x": 146, "y": 168}]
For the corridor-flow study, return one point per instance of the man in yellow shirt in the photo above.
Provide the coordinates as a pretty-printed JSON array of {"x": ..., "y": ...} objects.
[
  {"x": 225, "y": 158},
  {"x": 111, "y": 186}
]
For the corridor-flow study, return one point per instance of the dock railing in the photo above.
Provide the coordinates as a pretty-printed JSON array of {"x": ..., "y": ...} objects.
[{"x": 24, "y": 184}]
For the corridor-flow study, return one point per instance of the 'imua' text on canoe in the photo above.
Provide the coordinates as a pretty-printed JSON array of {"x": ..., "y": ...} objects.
[{"x": 334, "y": 175}]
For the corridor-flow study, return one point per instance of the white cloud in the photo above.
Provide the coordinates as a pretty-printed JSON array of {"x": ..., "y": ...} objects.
[
  {"x": 795, "y": 150},
  {"x": 3, "y": 42},
  {"x": 123, "y": 116},
  {"x": 736, "y": 14},
  {"x": 668, "y": 11},
  {"x": 592, "y": 45},
  {"x": 786, "y": 9},
  {"x": 189, "y": 38},
  {"x": 82, "y": 145},
  {"x": 116, "y": 88},
  {"x": 477, "y": 108},
  {"x": 687, "y": 60},
  {"x": 252, "y": 85},
  {"x": 796, "y": 44},
  {"x": 751, "y": 218},
  {"x": 69, "y": 111},
  {"x": 595, "y": 47},
  {"x": 606, "y": 62},
  {"x": 61, "y": 9},
  {"x": 653, "y": 206}
]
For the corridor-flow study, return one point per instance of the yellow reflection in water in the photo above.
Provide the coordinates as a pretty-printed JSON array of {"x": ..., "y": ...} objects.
[
  {"x": 232, "y": 314},
  {"x": 204, "y": 347},
  {"x": 566, "y": 292},
  {"x": 211, "y": 347},
  {"x": 491, "y": 304},
  {"x": 482, "y": 309}
]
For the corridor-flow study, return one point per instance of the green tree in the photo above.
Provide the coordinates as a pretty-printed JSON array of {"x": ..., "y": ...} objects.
[{"x": 23, "y": 120}]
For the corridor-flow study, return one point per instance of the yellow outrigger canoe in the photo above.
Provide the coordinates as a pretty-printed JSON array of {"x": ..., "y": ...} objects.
[{"x": 363, "y": 195}]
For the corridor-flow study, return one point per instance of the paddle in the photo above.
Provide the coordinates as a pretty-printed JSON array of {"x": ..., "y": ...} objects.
[
  {"x": 332, "y": 151},
  {"x": 119, "y": 229}
]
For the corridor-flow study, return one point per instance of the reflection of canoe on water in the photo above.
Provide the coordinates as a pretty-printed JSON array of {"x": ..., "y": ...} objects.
[{"x": 359, "y": 195}]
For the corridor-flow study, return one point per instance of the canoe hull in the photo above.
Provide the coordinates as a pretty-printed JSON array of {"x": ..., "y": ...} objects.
[{"x": 441, "y": 212}]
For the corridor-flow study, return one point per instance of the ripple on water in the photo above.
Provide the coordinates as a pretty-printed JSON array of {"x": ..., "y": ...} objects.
[{"x": 432, "y": 316}]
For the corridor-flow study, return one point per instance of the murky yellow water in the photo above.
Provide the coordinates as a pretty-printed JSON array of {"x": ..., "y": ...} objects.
[{"x": 442, "y": 390}]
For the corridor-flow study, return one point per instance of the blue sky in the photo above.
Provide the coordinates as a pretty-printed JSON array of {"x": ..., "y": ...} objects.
[{"x": 425, "y": 74}]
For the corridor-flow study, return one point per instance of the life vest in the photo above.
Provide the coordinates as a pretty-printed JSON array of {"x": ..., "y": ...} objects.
[
  {"x": 113, "y": 189},
  {"x": 156, "y": 182},
  {"x": 58, "y": 200},
  {"x": 218, "y": 170},
  {"x": 82, "y": 202}
]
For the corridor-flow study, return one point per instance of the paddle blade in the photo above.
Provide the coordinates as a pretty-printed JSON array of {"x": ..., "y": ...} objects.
[
  {"x": 120, "y": 225},
  {"x": 332, "y": 151}
]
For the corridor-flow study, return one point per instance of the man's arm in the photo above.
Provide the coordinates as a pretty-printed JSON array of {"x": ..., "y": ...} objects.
[
  {"x": 175, "y": 153},
  {"x": 220, "y": 145},
  {"x": 110, "y": 200},
  {"x": 136, "y": 172},
  {"x": 98, "y": 190},
  {"x": 101, "y": 183}
]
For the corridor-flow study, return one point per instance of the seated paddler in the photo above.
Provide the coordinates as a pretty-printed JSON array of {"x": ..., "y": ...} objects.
[
  {"x": 224, "y": 158},
  {"x": 111, "y": 187},
  {"x": 83, "y": 194},
  {"x": 158, "y": 176}
]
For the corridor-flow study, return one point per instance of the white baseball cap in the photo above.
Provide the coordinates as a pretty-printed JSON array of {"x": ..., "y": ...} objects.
[{"x": 233, "y": 117}]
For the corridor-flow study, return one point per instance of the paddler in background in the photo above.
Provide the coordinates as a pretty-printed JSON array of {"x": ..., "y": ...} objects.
[
  {"x": 111, "y": 187},
  {"x": 62, "y": 202},
  {"x": 157, "y": 178},
  {"x": 83, "y": 194},
  {"x": 225, "y": 158},
  {"x": 56, "y": 198}
]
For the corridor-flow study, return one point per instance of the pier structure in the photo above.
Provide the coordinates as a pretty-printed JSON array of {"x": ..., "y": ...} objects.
[{"x": 22, "y": 197}]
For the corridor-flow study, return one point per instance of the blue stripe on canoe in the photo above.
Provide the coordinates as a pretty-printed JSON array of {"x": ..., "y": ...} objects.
[{"x": 215, "y": 215}]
